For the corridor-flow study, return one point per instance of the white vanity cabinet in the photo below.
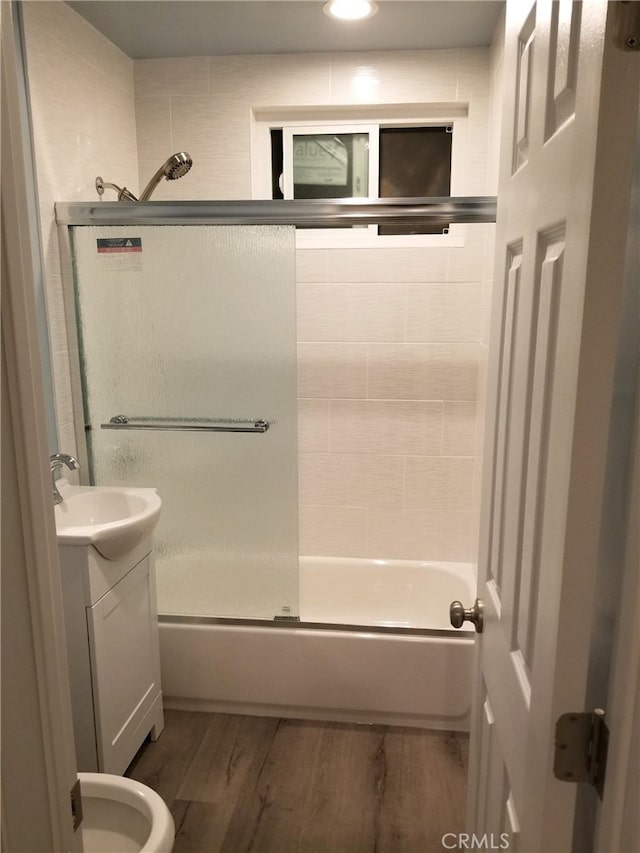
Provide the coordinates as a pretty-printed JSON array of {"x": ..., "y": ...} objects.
[{"x": 114, "y": 663}]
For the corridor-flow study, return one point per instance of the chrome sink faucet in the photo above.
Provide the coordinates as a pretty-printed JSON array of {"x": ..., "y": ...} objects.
[{"x": 57, "y": 461}]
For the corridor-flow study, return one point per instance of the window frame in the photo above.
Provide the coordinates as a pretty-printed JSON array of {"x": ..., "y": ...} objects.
[
  {"x": 338, "y": 236},
  {"x": 291, "y": 130},
  {"x": 357, "y": 120}
]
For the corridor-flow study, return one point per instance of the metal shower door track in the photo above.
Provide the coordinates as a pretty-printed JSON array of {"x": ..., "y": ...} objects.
[{"x": 315, "y": 214}]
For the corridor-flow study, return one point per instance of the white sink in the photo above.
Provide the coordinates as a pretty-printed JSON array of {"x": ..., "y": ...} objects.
[{"x": 113, "y": 519}]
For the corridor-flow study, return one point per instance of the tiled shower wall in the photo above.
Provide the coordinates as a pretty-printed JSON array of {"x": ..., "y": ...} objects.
[
  {"x": 392, "y": 341},
  {"x": 389, "y": 339},
  {"x": 82, "y": 104}
]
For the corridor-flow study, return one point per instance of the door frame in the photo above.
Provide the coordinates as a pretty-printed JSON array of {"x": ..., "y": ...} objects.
[
  {"x": 619, "y": 819},
  {"x": 33, "y": 631}
]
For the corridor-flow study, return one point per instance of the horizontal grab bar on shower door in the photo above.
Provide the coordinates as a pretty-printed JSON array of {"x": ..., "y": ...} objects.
[{"x": 188, "y": 424}]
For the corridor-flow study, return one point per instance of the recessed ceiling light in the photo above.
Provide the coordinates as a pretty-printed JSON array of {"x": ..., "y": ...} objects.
[{"x": 350, "y": 10}]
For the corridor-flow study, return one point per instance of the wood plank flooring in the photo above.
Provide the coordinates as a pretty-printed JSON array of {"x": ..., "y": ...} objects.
[{"x": 237, "y": 784}]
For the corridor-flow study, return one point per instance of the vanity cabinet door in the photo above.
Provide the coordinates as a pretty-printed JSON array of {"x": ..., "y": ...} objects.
[{"x": 123, "y": 638}]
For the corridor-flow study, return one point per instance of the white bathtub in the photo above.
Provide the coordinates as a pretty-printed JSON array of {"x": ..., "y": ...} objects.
[
  {"x": 387, "y": 674},
  {"x": 392, "y": 593}
]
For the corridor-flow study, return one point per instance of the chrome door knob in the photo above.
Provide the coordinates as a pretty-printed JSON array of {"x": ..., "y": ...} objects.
[{"x": 458, "y": 614}]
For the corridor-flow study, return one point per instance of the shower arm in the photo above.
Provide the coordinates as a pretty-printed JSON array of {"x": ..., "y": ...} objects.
[
  {"x": 153, "y": 183},
  {"x": 123, "y": 193}
]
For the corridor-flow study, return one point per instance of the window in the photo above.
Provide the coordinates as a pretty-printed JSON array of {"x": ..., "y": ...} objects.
[
  {"x": 407, "y": 158},
  {"x": 414, "y": 162},
  {"x": 327, "y": 165}
]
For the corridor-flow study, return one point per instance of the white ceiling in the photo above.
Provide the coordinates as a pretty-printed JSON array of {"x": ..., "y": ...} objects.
[{"x": 145, "y": 29}]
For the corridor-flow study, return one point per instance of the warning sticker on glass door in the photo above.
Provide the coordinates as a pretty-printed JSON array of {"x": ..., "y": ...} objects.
[{"x": 121, "y": 253}]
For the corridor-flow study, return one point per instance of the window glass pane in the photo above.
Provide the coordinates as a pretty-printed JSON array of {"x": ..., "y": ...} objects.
[
  {"x": 277, "y": 160},
  {"x": 328, "y": 165},
  {"x": 414, "y": 162}
]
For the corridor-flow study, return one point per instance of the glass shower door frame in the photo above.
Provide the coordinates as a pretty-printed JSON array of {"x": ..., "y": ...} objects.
[
  {"x": 187, "y": 349},
  {"x": 304, "y": 213}
]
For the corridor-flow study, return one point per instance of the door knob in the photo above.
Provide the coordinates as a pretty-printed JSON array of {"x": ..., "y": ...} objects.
[{"x": 459, "y": 614}]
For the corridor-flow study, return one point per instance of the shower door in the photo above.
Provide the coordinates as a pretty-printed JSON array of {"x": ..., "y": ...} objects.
[{"x": 187, "y": 339}]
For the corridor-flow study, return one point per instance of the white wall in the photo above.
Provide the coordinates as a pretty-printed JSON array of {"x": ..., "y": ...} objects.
[
  {"x": 389, "y": 339},
  {"x": 82, "y": 105}
]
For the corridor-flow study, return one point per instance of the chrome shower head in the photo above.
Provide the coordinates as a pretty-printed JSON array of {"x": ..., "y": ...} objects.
[{"x": 175, "y": 167}]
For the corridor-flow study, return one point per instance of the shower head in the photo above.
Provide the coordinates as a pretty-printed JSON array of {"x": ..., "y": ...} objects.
[{"x": 175, "y": 167}]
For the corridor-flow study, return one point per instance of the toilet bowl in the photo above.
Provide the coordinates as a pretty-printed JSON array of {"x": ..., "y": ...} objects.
[{"x": 123, "y": 816}]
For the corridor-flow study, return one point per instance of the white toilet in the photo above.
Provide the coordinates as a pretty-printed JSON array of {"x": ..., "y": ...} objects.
[{"x": 123, "y": 816}]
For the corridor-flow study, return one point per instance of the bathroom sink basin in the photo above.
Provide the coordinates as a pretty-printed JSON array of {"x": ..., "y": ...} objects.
[{"x": 111, "y": 518}]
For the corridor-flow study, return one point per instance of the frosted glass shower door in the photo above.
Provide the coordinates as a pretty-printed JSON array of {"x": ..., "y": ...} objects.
[{"x": 184, "y": 326}]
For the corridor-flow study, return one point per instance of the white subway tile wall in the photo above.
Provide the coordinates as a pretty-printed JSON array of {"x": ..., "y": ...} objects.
[
  {"x": 459, "y": 426},
  {"x": 417, "y": 533},
  {"x": 409, "y": 76},
  {"x": 392, "y": 342},
  {"x": 313, "y": 426},
  {"x": 438, "y": 483},
  {"x": 389, "y": 339},
  {"x": 351, "y": 479},
  {"x": 443, "y": 312},
  {"x": 401, "y": 427},
  {"x": 83, "y": 110},
  {"x": 330, "y": 370},
  {"x": 352, "y": 312},
  {"x": 329, "y": 530}
]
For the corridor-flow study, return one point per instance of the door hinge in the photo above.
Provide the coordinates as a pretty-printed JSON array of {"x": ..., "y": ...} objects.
[
  {"x": 581, "y": 748},
  {"x": 626, "y": 31},
  {"x": 76, "y": 805}
]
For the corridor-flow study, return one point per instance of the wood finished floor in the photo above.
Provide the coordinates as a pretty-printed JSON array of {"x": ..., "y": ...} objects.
[{"x": 237, "y": 784}]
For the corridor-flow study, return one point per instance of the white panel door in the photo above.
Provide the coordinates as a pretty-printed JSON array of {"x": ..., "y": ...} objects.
[{"x": 568, "y": 133}]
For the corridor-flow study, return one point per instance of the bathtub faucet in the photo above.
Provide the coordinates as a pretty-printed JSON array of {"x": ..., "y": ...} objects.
[{"x": 57, "y": 461}]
